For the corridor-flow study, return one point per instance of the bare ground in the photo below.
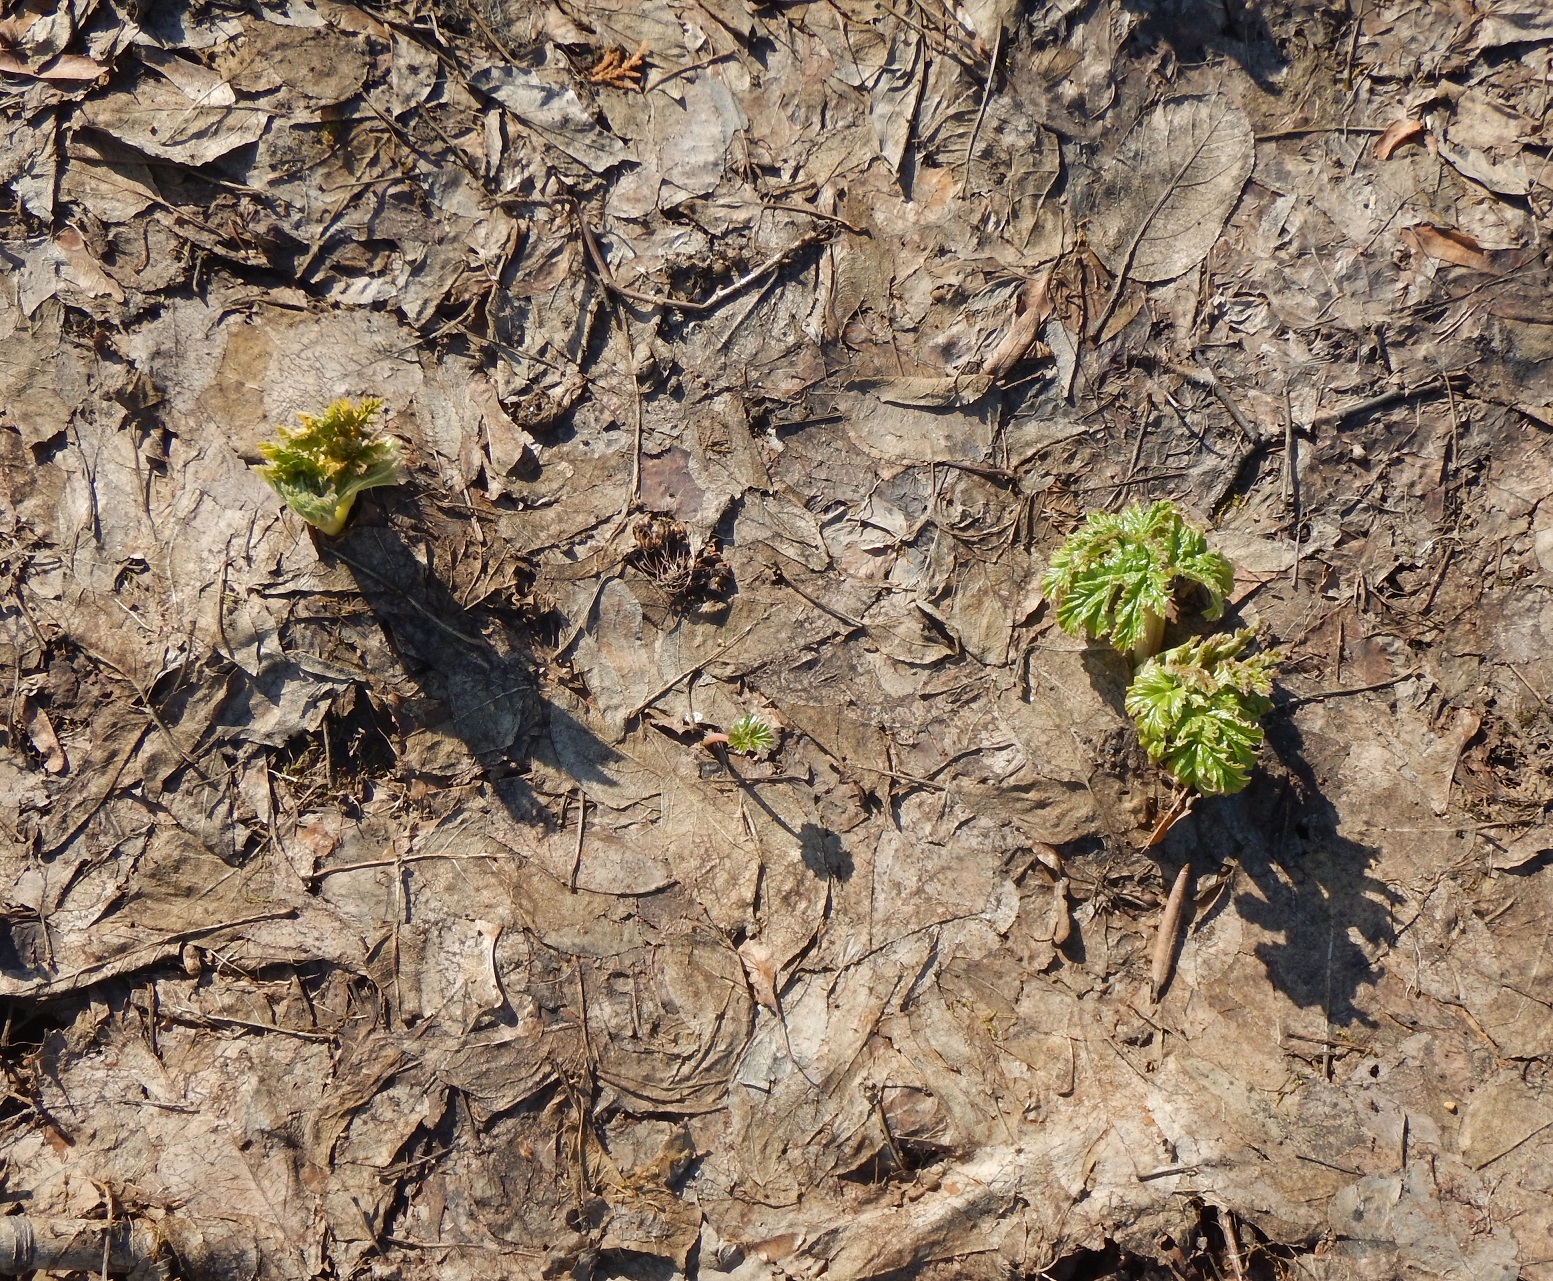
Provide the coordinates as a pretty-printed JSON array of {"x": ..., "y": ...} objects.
[{"x": 371, "y": 906}]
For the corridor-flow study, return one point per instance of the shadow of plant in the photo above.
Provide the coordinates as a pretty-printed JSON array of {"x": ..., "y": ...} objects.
[
  {"x": 1311, "y": 885},
  {"x": 473, "y": 667}
]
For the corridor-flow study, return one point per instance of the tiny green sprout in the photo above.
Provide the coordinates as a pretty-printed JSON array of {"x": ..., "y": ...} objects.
[
  {"x": 1198, "y": 708},
  {"x": 749, "y": 735},
  {"x": 320, "y": 467},
  {"x": 1116, "y": 576}
]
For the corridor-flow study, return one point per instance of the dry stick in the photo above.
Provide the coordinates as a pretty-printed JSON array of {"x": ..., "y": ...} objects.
[
  {"x": 596, "y": 257},
  {"x": 1515, "y": 671},
  {"x": 408, "y": 858},
  {"x": 981, "y": 113},
  {"x": 1169, "y": 927},
  {"x": 1231, "y": 1245},
  {"x": 1291, "y": 477},
  {"x": 685, "y": 71},
  {"x": 145, "y": 697},
  {"x": 1307, "y": 130},
  {"x": 1331, "y": 417},
  {"x": 1323, "y": 694},
  {"x": 1200, "y": 374},
  {"x": 582, "y": 827},
  {"x": 410, "y": 600},
  {"x": 690, "y": 671},
  {"x": 29, "y": 1244}
]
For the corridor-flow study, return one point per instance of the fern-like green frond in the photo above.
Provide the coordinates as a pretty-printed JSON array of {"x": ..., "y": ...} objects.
[
  {"x": 749, "y": 735},
  {"x": 320, "y": 467},
  {"x": 1115, "y": 577},
  {"x": 1198, "y": 709}
]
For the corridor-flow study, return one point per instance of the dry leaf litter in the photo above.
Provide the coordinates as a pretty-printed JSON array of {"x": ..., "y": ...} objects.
[{"x": 372, "y": 907}]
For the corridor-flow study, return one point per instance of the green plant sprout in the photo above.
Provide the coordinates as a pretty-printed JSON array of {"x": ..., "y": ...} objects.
[
  {"x": 749, "y": 735},
  {"x": 1198, "y": 708},
  {"x": 320, "y": 467},
  {"x": 1117, "y": 575}
]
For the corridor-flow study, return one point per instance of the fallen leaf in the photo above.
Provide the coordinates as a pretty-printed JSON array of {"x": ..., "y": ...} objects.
[
  {"x": 82, "y": 270},
  {"x": 1448, "y": 245},
  {"x": 760, "y": 968},
  {"x": 1162, "y": 202},
  {"x": 1030, "y": 309},
  {"x": 68, "y": 66},
  {"x": 46, "y": 742},
  {"x": 1398, "y": 134}
]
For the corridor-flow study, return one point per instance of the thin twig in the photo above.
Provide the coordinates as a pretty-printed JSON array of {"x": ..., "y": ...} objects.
[
  {"x": 1098, "y": 328},
  {"x": 1231, "y": 1245},
  {"x": 1331, "y": 417},
  {"x": 685, "y": 71},
  {"x": 410, "y": 601},
  {"x": 601, "y": 266},
  {"x": 582, "y": 827},
  {"x": 1306, "y": 130},
  {"x": 1291, "y": 477},
  {"x": 145, "y": 697},
  {"x": 1199, "y": 373},
  {"x": 1321, "y": 695},
  {"x": 691, "y": 671},
  {"x": 981, "y": 113}
]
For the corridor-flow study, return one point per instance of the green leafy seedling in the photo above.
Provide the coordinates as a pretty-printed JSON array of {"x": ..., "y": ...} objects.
[
  {"x": 320, "y": 467},
  {"x": 749, "y": 736},
  {"x": 1117, "y": 575},
  {"x": 1198, "y": 709}
]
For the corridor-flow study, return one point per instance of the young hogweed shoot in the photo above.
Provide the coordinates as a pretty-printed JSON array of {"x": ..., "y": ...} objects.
[
  {"x": 1197, "y": 708},
  {"x": 749, "y": 735},
  {"x": 1117, "y": 575},
  {"x": 320, "y": 467}
]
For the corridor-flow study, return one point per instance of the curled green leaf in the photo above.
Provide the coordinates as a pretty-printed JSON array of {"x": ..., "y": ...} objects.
[
  {"x": 1116, "y": 576},
  {"x": 320, "y": 467},
  {"x": 1198, "y": 709}
]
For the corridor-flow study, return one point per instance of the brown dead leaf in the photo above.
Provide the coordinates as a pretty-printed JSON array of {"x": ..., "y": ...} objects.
[
  {"x": 1398, "y": 134},
  {"x": 1448, "y": 245},
  {"x": 68, "y": 66},
  {"x": 760, "y": 969},
  {"x": 1030, "y": 309},
  {"x": 46, "y": 742},
  {"x": 82, "y": 270}
]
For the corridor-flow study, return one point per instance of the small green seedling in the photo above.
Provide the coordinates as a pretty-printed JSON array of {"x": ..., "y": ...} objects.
[
  {"x": 749, "y": 736},
  {"x": 1198, "y": 708},
  {"x": 1117, "y": 575},
  {"x": 320, "y": 467}
]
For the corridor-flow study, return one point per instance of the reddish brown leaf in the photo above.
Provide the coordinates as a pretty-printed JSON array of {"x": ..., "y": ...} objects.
[
  {"x": 1448, "y": 245},
  {"x": 1398, "y": 134},
  {"x": 68, "y": 66}
]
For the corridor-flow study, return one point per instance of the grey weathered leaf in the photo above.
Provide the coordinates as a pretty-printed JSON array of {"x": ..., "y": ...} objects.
[
  {"x": 160, "y": 120},
  {"x": 552, "y": 109},
  {"x": 1162, "y": 201}
]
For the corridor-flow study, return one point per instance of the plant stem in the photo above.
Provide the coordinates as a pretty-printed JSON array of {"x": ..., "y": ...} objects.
[{"x": 1153, "y": 636}]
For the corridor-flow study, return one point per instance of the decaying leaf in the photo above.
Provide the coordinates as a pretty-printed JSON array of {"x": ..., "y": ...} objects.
[{"x": 1161, "y": 202}]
